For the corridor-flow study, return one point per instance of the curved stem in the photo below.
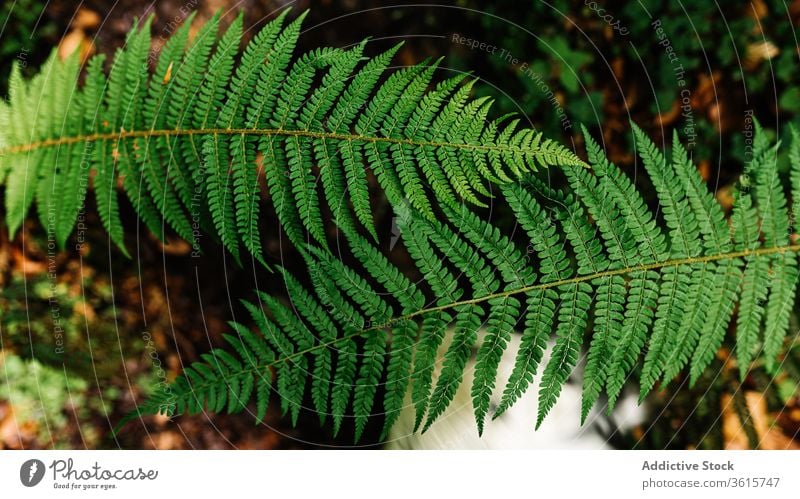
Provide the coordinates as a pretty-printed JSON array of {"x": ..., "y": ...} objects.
[{"x": 123, "y": 134}]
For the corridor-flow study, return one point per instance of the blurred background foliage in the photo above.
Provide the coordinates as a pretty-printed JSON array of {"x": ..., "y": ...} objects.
[{"x": 701, "y": 68}]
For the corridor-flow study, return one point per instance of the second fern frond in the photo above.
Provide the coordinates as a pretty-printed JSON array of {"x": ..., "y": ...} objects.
[{"x": 659, "y": 291}]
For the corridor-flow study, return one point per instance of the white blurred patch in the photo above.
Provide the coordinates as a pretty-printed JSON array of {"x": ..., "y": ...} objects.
[{"x": 561, "y": 429}]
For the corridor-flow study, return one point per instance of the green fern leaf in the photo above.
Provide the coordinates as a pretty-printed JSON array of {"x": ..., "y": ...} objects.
[
  {"x": 500, "y": 324},
  {"x": 398, "y": 372},
  {"x": 467, "y": 324},
  {"x": 368, "y": 378},
  {"x": 572, "y": 315}
]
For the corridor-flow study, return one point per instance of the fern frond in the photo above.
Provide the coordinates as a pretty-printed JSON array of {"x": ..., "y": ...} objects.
[
  {"x": 670, "y": 299},
  {"x": 187, "y": 140}
]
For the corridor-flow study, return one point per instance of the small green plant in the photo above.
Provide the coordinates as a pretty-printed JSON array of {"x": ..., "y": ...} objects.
[
  {"x": 663, "y": 284},
  {"x": 55, "y": 374},
  {"x": 40, "y": 394}
]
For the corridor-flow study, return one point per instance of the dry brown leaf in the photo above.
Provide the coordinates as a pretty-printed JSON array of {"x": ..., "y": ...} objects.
[
  {"x": 771, "y": 436},
  {"x": 704, "y": 167},
  {"x": 23, "y": 265},
  {"x": 669, "y": 116},
  {"x": 758, "y": 9},
  {"x": 168, "y": 440},
  {"x": 86, "y": 19},
  {"x": 724, "y": 197},
  {"x": 76, "y": 40},
  {"x": 15, "y": 432},
  {"x": 757, "y": 52},
  {"x": 175, "y": 246}
]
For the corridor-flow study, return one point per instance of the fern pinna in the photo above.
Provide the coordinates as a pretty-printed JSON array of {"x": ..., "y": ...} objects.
[{"x": 646, "y": 294}]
